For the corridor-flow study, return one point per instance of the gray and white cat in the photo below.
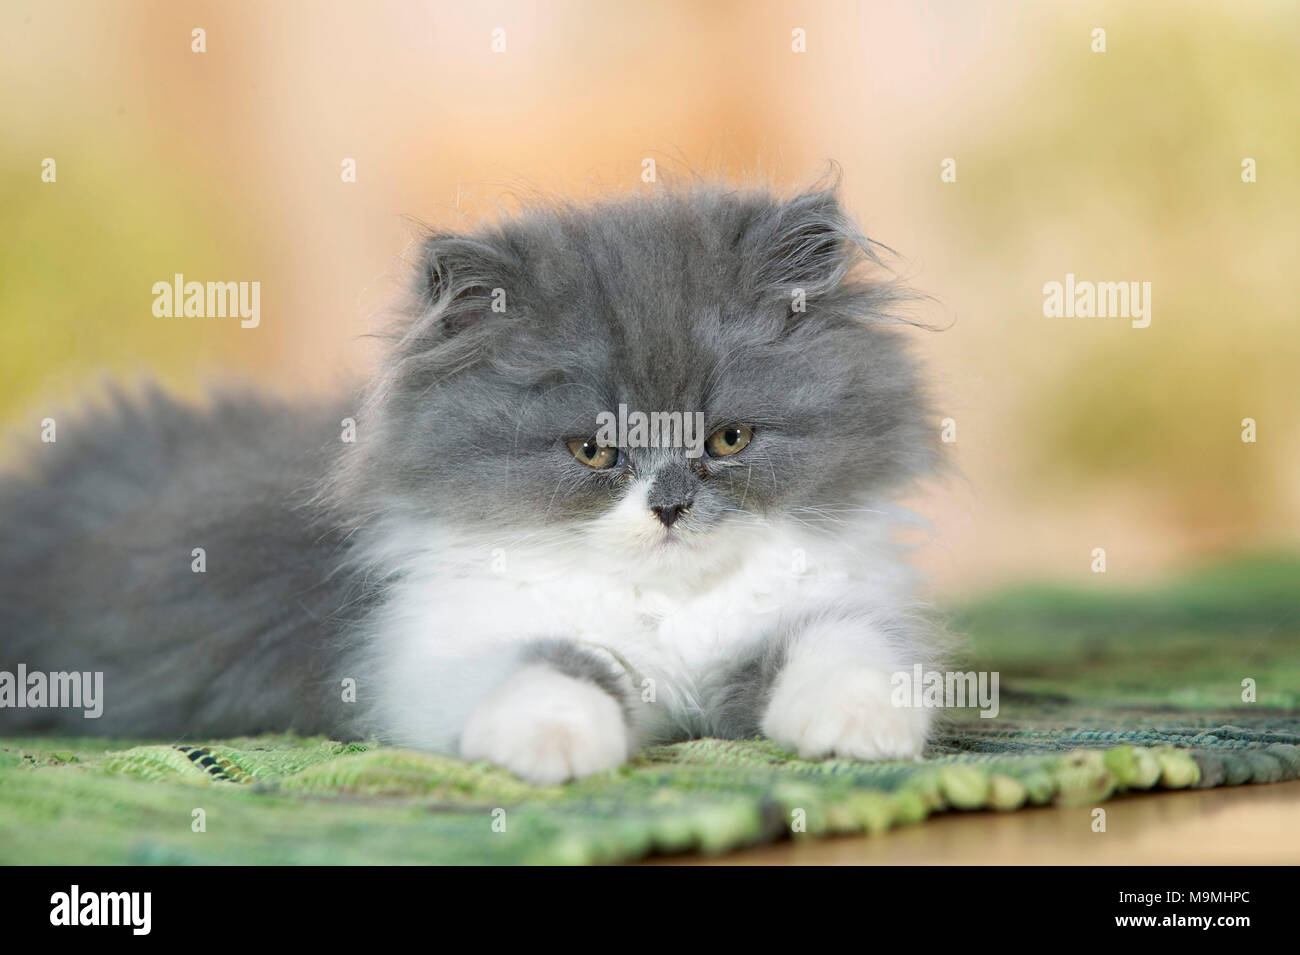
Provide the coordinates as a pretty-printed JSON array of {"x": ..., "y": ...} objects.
[{"x": 499, "y": 583}]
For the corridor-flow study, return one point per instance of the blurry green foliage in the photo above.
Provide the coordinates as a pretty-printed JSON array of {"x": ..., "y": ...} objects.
[
  {"x": 1126, "y": 166},
  {"x": 78, "y": 260}
]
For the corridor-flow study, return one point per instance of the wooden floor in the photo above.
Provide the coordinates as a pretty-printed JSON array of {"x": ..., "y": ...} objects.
[{"x": 1231, "y": 825}]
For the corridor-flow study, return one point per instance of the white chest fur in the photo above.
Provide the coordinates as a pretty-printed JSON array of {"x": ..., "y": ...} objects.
[{"x": 446, "y": 631}]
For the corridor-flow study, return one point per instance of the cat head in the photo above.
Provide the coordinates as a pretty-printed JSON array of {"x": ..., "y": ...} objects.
[{"x": 743, "y": 321}]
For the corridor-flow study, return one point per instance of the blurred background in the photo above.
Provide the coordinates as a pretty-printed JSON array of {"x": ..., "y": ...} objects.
[{"x": 1072, "y": 434}]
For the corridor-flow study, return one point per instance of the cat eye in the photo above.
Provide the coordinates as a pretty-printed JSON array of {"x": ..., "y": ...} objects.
[
  {"x": 592, "y": 454},
  {"x": 730, "y": 440}
]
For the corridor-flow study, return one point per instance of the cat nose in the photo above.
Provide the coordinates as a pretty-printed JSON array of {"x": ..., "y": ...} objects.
[{"x": 668, "y": 515}]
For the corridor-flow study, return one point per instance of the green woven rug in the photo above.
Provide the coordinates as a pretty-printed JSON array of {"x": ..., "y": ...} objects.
[{"x": 1101, "y": 693}]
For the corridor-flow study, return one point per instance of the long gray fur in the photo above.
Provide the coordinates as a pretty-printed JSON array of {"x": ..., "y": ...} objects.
[{"x": 683, "y": 299}]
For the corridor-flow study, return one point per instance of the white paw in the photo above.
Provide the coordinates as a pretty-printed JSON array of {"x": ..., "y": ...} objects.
[
  {"x": 820, "y": 711},
  {"x": 546, "y": 727}
]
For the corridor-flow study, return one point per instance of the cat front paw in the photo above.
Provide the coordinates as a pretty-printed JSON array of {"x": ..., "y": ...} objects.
[
  {"x": 844, "y": 711},
  {"x": 547, "y": 728}
]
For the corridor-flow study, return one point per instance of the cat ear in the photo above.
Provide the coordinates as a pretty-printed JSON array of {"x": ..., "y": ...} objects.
[
  {"x": 805, "y": 243},
  {"x": 458, "y": 280}
]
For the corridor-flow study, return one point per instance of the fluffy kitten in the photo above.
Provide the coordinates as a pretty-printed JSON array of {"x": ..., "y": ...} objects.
[{"x": 497, "y": 584}]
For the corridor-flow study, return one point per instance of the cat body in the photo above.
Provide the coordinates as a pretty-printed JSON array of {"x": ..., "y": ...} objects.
[
  {"x": 475, "y": 574},
  {"x": 681, "y": 642}
]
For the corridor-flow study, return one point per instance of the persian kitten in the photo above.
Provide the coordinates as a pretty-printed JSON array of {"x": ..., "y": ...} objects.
[{"x": 492, "y": 569}]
